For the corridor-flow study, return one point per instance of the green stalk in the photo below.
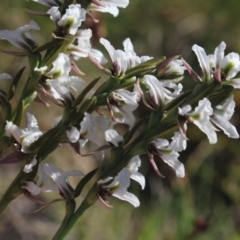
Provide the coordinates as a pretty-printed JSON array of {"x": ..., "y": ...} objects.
[{"x": 91, "y": 198}]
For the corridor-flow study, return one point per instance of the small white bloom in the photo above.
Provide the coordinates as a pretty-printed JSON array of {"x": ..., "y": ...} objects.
[
  {"x": 168, "y": 152},
  {"x": 118, "y": 187},
  {"x": 83, "y": 46},
  {"x": 121, "y": 60},
  {"x": 229, "y": 64},
  {"x": 94, "y": 128},
  {"x": 201, "y": 118},
  {"x": 21, "y": 38},
  {"x": 24, "y": 136},
  {"x": 160, "y": 90},
  {"x": 125, "y": 102},
  {"x": 71, "y": 20},
  {"x": 61, "y": 68},
  {"x": 53, "y": 179}
]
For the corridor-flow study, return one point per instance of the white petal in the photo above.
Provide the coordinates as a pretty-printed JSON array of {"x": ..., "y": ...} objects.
[
  {"x": 28, "y": 139},
  {"x": 73, "y": 134},
  {"x": 178, "y": 143},
  {"x": 19, "y": 37},
  {"x": 203, "y": 60},
  {"x": 129, "y": 197},
  {"x": 33, "y": 188},
  {"x": 28, "y": 167},
  {"x": 113, "y": 136},
  {"x": 58, "y": 177},
  {"x": 230, "y": 65},
  {"x": 225, "y": 125},
  {"x": 138, "y": 177},
  {"x": 111, "y": 50},
  {"x": 5, "y": 76},
  {"x": 184, "y": 110},
  {"x": 98, "y": 56},
  {"x": 219, "y": 54},
  {"x": 32, "y": 122},
  {"x": 73, "y": 18},
  {"x": 208, "y": 129},
  {"x": 227, "y": 109},
  {"x": 128, "y": 46},
  {"x": 156, "y": 89},
  {"x": 172, "y": 161},
  {"x": 54, "y": 13},
  {"x": 75, "y": 83},
  {"x": 233, "y": 82}
]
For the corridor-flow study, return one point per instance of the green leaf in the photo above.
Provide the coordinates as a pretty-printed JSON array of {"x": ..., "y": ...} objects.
[
  {"x": 15, "y": 81},
  {"x": 83, "y": 182},
  {"x": 221, "y": 95},
  {"x": 6, "y": 110},
  {"x": 34, "y": 61},
  {"x": 85, "y": 91},
  {"x": 128, "y": 135},
  {"x": 113, "y": 163},
  {"x": 143, "y": 68},
  {"x": 17, "y": 116},
  {"x": 154, "y": 120},
  {"x": 110, "y": 85}
]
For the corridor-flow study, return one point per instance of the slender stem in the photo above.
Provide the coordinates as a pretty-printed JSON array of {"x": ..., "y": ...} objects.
[{"x": 91, "y": 198}]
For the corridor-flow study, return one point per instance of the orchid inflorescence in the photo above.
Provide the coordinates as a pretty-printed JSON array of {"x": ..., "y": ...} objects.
[{"x": 94, "y": 115}]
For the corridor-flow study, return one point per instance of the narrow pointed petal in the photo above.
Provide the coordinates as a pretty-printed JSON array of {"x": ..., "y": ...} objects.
[
  {"x": 203, "y": 61},
  {"x": 225, "y": 125}
]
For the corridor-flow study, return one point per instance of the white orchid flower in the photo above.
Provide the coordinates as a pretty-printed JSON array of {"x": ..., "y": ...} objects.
[
  {"x": 168, "y": 152},
  {"x": 121, "y": 60},
  {"x": 159, "y": 91},
  {"x": 52, "y": 179},
  {"x": 26, "y": 136},
  {"x": 124, "y": 102},
  {"x": 118, "y": 188},
  {"x": 83, "y": 46},
  {"x": 94, "y": 128},
  {"x": 21, "y": 37},
  {"x": 59, "y": 80},
  {"x": 71, "y": 20},
  {"x": 201, "y": 118},
  {"x": 228, "y": 65}
]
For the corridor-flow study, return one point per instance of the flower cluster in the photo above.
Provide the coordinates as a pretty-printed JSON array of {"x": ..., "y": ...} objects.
[{"x": 107, "y": 117}]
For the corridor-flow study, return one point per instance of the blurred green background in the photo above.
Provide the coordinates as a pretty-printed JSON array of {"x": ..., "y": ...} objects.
[{"x": 203, "y": 205}]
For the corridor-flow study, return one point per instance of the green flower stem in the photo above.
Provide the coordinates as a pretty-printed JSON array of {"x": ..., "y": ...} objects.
[
  {"x": 90, "y": 199},
  {"x": 15, "y": 189}
]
